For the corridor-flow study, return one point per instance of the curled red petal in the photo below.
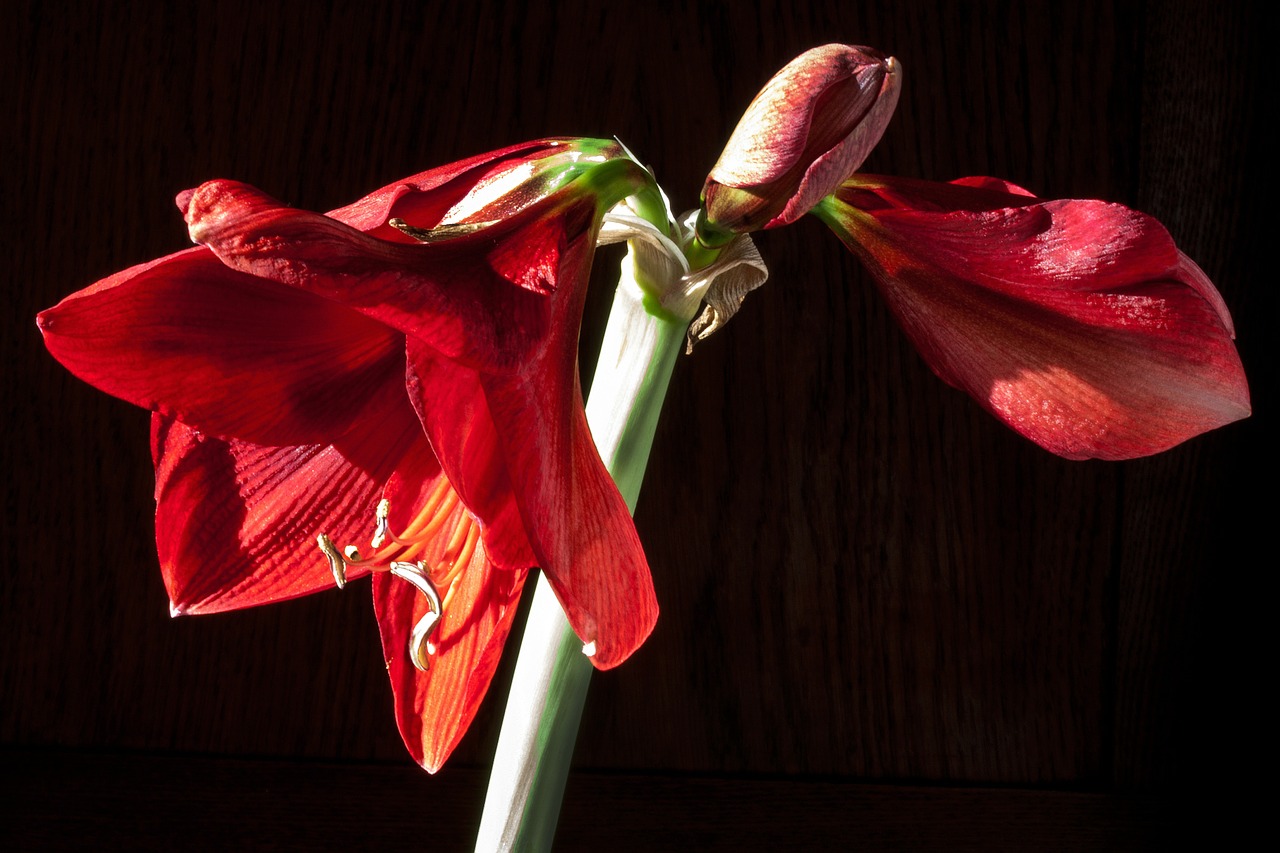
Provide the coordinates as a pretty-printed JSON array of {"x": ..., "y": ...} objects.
[
  {"x": 434, "y": 708},
  {"x": 1078, "y": 323},
  {"x": 236, "y": 522},
  {"x": 474, "y": 298},
  {"x": 422, "y": 199},
  {"x": 223, "y": 351}
]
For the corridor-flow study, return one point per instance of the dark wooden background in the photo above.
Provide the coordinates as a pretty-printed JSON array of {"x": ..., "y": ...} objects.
[{"x": 888, "y": 622}]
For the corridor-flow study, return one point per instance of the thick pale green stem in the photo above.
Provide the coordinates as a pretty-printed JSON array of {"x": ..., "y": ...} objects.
[
  {"x": 552, "y": 674},
  {"x": 548, "y": 690}
]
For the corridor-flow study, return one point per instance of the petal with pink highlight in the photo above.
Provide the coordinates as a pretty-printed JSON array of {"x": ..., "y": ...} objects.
[{"x": 1077, "y": 323}]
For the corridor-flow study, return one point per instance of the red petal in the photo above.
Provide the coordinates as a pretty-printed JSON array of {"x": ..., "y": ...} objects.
[
  {"x": 434, "y": 708},
  {"x": 1078, "y": 323},
  {"x": 877, "y": 192},
  {"x": 524, "y": 435},
  {"x": 234, "y": 355},
  {"x": 236, "y": 522},
  {"x": 425, "y": 197},
  {"x": 578, "y": 524},
  {"x": 475, "y": 298},
  {"x": 541, "y": 492},
  {"x": 983, "y": 182},
  {"x": 454, "y": 413}
]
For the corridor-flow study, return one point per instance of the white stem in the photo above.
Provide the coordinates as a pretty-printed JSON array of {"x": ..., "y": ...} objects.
[
  {"x": 520, "y": 749},
  {"x": 551, "y": 678}
]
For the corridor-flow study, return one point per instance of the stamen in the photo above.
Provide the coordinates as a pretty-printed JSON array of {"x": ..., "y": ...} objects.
[
  {"x": 589, "y": 649},
  {"x": 436, "y": 511},
  {"x": 468, "y": 548},
  {"x": 398, "y": 554},
  {"x": 420, "y": 646},
  {"x": 464, "y": 557},
  {"x": 455, "y": 542},
  {"x": 437, "y": 520},
  {"x": 337, "y": 563},
  {"x": 443, "y": 490},
  {"x": 448, "y": 597},
  {"x": 383, "y": 529}
]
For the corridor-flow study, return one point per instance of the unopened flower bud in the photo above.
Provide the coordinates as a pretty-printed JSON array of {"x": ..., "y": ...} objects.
[{"x": 806, "y": 132}]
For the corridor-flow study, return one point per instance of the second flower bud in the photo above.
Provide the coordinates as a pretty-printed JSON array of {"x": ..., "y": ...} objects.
[{"x": 806, "y": 132}]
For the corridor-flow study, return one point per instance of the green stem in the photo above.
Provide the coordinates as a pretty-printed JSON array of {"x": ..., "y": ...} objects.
[
  {"x": 650, "y": 206},
  {"x": 701, "y": 256},
  {"x": 552, "y": 674}
]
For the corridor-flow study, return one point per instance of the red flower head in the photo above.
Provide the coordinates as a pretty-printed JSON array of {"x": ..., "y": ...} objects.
[
  {"x": 1077, "y": 323},
  {"x": 406, "y": 363},
  {"x": 807, "y": 131}
]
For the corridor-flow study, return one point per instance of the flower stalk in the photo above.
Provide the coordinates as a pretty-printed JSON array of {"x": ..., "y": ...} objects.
[{"x": 553, "y": 670}]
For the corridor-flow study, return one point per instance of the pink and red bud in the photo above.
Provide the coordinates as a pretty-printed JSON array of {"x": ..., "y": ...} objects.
[{"x": 806, "y": 132}]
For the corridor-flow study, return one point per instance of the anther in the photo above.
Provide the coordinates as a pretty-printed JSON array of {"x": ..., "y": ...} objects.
[
  {"x": 589, "y": 649},
  {"x": 337, "y": 564},
  {"x": 384, "y": 527},
  {"x": 420, "y": 646}
]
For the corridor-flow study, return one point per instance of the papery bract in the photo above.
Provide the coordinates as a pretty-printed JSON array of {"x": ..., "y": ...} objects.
[
  {"x": 1078, "y": 323},
  {"x": 807, "y": 131},
  {"x": 303, "y": 368}
]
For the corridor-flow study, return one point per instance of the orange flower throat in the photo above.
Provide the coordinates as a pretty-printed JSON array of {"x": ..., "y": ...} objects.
[{"x": 430, "y": 553}]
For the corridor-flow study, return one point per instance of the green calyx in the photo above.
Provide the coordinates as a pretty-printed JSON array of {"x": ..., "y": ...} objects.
[
  {"x": 710, "y": 235},
  {"x": 841, "y": 217},
  {"x": 614, "y": 180}
]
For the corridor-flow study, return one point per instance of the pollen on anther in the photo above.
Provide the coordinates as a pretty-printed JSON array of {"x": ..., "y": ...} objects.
[
  {"x": 382, "y": 526},
  {"x": 337, "y": 563}
]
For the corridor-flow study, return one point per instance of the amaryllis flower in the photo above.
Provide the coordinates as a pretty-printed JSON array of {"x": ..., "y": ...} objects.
[
  {"x": 1078, "y": 323},
  {"x": 391, "y": 386},
  {"x": 810, "y": 127}
]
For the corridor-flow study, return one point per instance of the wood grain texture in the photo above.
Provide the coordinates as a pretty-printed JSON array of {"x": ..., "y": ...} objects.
[
  {"x": 152, "y": 802},
  {"x": 863, "y": 577}
]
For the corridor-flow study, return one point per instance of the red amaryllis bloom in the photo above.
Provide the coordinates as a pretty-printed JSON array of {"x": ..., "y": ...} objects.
[
  {"x": 810, "y": 127},
  {"x": 1078, "y": 323},
  {"x": 406, "y": 363}
]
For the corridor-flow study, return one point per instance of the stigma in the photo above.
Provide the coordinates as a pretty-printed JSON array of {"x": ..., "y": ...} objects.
[{"x": 430, "y": 553}]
